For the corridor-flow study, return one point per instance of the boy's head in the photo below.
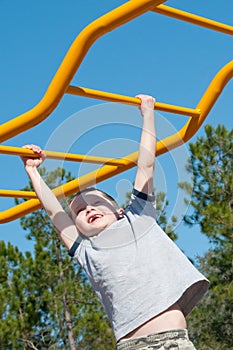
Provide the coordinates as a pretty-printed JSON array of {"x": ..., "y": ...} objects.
[{"x": 93, "y": 211}]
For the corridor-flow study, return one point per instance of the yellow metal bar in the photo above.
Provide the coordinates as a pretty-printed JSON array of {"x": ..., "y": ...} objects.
[
  {"x": 66, "y": 190},
  {"x": 206, "y": 103},
  {"x": 71, "y": 63},
  {"x": 60, "y": 85},
  {"x": 194, "y": 19},
  {"x": 17, "y": 194},
  {"x": 210, "y": 97},
  {"x": 107, "y": 96},
  {"x": 23, "y": 152}
]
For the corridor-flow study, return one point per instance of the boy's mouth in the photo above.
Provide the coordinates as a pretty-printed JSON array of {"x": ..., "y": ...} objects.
[{"x": 94, "y": 217}]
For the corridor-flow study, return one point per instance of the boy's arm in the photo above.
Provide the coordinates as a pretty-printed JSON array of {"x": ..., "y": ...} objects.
[
  {"x": 147, "y": 148},
  {"x": 61, "y": 220}
]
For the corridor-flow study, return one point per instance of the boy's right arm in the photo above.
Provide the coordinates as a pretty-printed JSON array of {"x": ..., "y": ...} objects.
[
  {"x": 61, "y": 220},
  {"x": 146, "y": 158}
]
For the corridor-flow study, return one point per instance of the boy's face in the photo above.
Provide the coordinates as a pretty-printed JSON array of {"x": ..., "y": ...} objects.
[{"x": 93, "y": 212}]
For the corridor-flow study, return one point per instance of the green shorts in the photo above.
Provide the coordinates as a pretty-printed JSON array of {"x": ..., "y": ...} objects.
[{"x": 171, "y": 340}]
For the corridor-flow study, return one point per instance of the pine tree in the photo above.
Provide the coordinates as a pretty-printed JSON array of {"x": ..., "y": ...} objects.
[
  {"x": 211, "y": 323},
  {"x": 47, "y": 302}
]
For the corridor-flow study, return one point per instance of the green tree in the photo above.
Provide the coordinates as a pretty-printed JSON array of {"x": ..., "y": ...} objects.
[
  {"x": 47, "y": 302},
  {"x": 211, "y": 323},
  {"x": 16, "y": 302}
]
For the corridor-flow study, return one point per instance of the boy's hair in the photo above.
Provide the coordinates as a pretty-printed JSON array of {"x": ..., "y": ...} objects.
[{"x": 90, "y": 189}]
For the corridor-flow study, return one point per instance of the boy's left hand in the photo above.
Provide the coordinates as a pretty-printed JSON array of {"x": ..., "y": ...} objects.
[
  {"x": 147, "y": 103},
  {"x": 34, "y": 162}
]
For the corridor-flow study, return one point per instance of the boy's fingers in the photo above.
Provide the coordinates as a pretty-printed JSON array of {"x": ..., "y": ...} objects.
[
  {"x": 32, "y": 147},
  {"x": 43, "y": 155},
  {"x": 145, "y": 97},
  {"x": 26, "y": 146},
  {"x": 35, "y": 149}
]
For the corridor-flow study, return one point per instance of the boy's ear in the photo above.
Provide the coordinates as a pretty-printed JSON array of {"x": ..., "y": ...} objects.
[{"x": 120, "y": 211}]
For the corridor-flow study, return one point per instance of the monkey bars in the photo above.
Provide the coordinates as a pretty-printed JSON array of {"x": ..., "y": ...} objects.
[{"x": 60, "y": 85}]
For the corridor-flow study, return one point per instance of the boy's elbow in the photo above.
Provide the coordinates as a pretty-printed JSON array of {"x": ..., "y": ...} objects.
[{"x": 146, "y": 165}]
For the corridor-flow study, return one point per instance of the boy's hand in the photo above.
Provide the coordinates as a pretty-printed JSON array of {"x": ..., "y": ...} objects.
[
  {"x": 34, "y": 162},
  {"x": 147, "y": 103}
]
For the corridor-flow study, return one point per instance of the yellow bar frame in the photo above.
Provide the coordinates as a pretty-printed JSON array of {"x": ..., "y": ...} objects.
[
  {"x": 194, "y": 19},
  {"x": 60, "y": 85}
]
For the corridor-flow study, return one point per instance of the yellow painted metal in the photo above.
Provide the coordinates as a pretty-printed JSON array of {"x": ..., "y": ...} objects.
[
  {"x": 60, "y": 85},
  {"x": 71, "y": 63},
  {"x": 17, "y": 194},
  {"x": 205, "y": 105},
  {"x": 184, "y": 134},
  {"x": 194, "y": 19},
  {"x": 23, "y": 152},
  {"x": 107, "y": 96}
]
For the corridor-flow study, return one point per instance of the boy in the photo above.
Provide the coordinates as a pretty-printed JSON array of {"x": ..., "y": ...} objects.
[{"x": 145, "y": 283}]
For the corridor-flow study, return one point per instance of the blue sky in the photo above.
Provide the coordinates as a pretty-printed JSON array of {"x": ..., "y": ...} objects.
[{"x": 169, "y": 59}]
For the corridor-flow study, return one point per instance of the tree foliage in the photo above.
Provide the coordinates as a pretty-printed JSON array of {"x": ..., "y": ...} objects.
[
  {"x": 211, "y": 323},
  {"x": 212, "y": 190},
  {"x": 46, "y": 301}
]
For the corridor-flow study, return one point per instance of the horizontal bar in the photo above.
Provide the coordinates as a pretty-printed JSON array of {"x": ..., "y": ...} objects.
[
  {"x": 107, "y": 96},
  {"x": 24, "y": 152},
  {"x": 194, "y": 19},
  {"x": 71, "y": 62},
  {"x": 183, "y": 135},
  {"x": 60, "y": 85},
  {"x": 17, "y": 194}
]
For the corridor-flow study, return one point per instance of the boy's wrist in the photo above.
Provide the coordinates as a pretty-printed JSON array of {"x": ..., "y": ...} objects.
[
  {"x": 31, "y": 169},
  {"x": 149, "y": 113}
]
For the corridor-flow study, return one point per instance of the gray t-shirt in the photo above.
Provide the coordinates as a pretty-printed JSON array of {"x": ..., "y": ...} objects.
[{"x": 136, "y": 270}]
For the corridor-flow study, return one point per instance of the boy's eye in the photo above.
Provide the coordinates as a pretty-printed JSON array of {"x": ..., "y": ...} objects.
[
  {"x": 98, "y": 203},
  {"x": 79, "y": 210}
]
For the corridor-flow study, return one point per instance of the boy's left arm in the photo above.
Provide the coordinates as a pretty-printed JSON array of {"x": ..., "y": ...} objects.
[{"x": 146, "y": 159}]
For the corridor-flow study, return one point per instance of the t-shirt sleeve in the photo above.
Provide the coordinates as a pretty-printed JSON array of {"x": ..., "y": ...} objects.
[
  {"x": 72, "y": 251},
  {"x": 142, "y": 204},
  {"x": 142, "y": 195}
]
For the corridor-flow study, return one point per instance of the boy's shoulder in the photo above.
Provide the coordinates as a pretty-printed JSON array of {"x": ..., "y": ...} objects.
[
  {"x": 141, "y": 203},
  {"x": 143, "y": 196}
]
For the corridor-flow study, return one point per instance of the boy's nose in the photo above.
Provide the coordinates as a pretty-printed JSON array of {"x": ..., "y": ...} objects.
[{"x": 89, "y": 208}]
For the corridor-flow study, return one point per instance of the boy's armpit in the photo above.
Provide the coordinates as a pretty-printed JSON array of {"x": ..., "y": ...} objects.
[{"x": 66, "y": 227}]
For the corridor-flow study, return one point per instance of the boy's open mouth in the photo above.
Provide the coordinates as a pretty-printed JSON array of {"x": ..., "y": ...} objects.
[{"x": 94, "y": 217}]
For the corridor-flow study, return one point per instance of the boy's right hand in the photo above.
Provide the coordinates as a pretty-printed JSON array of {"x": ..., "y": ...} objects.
[
  {"x": 34, "y": 162},
  {"x": 147, "y": 103}
]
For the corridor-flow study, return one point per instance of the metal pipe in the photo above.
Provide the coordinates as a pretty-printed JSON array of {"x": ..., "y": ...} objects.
[
  {"x": 194, "y": 19},
  {"x": 71, "y": 63},
  {"x": 206, "y": 103},
  {"x": 24, "y": 152},
  {"x": 107, "y": 96}
]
